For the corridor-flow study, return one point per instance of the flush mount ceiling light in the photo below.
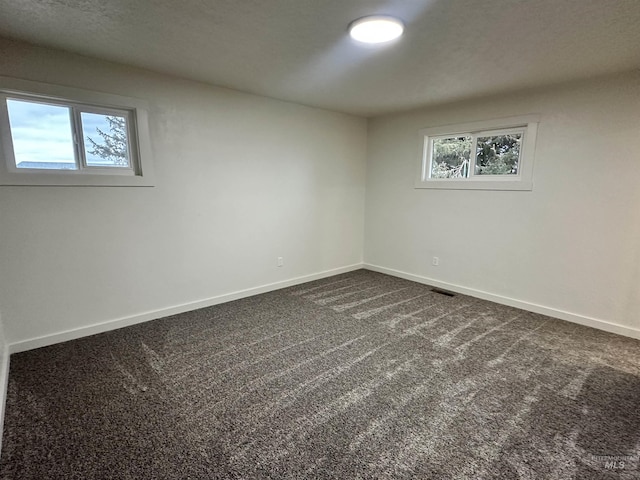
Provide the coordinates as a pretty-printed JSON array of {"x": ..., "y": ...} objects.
[{"x": 376, "y": 29}]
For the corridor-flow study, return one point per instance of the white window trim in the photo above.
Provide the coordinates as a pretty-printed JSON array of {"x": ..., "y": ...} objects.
[
  {"x": 85, "y": 100},
  {"x": 522, "y": 181}
]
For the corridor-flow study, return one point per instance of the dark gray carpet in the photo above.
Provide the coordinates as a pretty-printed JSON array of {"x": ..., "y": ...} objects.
[{"x": 356, "y": 376}]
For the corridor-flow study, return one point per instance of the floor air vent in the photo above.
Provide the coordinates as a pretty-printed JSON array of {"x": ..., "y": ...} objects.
[{"x": 446, "y": 293}]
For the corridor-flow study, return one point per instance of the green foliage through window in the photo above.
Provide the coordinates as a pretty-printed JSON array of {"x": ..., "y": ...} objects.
[
  {"x": 496, "y": 153},
  {"x": 450, "y": 157}
]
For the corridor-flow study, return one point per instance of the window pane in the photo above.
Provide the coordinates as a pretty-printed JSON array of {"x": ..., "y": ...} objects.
[
  {"x": 105, "y": 140},
  {"x": 450, "y": 157},
  {"x": 498, "y": 155},
  {"x": 41, "y": 135}
]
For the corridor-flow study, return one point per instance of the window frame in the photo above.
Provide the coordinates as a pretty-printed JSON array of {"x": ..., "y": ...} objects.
[
  {"x": 138, "y": 173},
  {"x": 523, "y": 180}
]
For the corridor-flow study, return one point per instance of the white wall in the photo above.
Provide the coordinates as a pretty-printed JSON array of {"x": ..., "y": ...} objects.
[
  {"x": 240, "y": 180},
  {"x": 571, "y": 245}
]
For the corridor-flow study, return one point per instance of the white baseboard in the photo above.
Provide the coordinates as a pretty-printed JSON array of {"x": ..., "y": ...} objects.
[
  {"x": 73, "y": 334},
  {"x": 512, "y": 302}
]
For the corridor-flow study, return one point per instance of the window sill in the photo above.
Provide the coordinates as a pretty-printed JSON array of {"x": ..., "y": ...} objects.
[
  {"x": 507, "y": 185},
  {"x": 75, "y": 180}
]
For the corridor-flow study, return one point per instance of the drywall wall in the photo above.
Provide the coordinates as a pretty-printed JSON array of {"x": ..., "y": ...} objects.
[
  {"x": 240, "y": 180},
  {"x": 572, "y": 245}
]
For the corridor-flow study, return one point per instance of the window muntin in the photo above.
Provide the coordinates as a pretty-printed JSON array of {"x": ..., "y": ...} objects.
[{"x": 488, "y": 155}]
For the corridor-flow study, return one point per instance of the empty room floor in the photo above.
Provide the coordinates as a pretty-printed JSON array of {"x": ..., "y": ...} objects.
[{"x": 360, "y": 375}]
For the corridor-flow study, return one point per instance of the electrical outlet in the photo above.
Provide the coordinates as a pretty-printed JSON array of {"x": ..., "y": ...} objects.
[
  {"x": 280, "y": 261},
  {"x": 435, "y": 262}
]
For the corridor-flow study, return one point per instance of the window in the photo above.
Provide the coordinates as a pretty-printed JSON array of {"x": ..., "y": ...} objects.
[
  {"x": 491, "y": 155},
  {"x": 51, "y": 135}
]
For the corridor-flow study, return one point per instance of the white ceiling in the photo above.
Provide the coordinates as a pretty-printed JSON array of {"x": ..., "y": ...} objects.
[{"x": 299, "y": 50}]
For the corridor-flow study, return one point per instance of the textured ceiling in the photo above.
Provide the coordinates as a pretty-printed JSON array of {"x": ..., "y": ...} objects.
[{"x": 299, "y": 50}]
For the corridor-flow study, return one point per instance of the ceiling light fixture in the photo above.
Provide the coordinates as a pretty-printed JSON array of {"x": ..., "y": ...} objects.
[{"x": 376, "y": 29}]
